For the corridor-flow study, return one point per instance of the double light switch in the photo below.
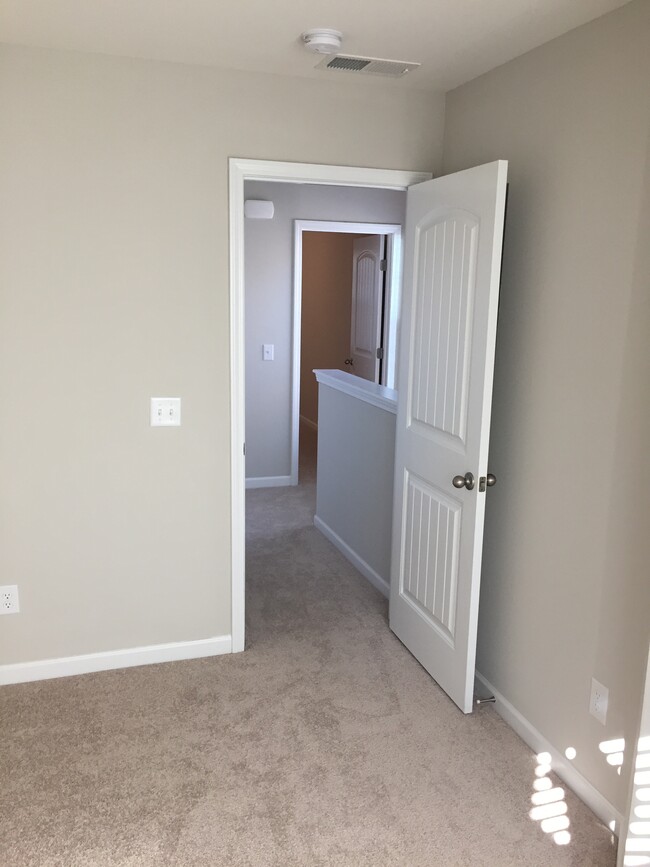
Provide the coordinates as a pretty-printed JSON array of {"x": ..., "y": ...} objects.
[{"x": 165, "y": 411}]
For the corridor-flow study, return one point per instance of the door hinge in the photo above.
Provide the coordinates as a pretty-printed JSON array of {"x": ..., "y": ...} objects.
[
  {"x": 380, "y": 353},
  {"x": 383, "y": 265},
  {"x": 244, "y": 449}
]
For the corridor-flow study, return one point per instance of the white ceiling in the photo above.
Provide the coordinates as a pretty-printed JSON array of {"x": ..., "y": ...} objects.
[{"x": 455, "y": 40}]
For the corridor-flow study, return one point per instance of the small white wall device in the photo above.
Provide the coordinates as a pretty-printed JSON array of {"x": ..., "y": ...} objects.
[
  {"x": 322, "y": 40},
  {"x": 165, "y": 411},
  {"x": 256, "y": 209}
]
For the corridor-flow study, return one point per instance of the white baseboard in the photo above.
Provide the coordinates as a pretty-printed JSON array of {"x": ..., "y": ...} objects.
[
  {"x": 358, "y": 562},
  {"x": 308, "y": 422},
  {"x": 44, "y": 669},
  {"x": 269, "y": 482},
  {"x": 561, "y": 765}
]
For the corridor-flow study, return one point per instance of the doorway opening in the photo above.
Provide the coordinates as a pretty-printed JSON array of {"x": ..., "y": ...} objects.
[
  {"x": 241, "y": 172},
  {"x": 346, "y": 302},
  {"x": 454, "y": 245}
]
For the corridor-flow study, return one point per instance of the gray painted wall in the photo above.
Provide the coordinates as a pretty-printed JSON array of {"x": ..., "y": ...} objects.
[
  {"x": 269, "y": 303},
  {"x": 356, "y": 463},
  {"x": 114, "y": 287},
  {"x": 565, "y": 592}
]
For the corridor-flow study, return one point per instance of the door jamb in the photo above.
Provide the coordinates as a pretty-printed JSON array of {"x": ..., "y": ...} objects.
[
  {"x": 241, "y": 170},
  {"x": 393, "y": 232}
]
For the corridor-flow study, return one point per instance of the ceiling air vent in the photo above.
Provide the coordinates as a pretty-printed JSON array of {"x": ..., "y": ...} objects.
[
  {"x": 352, "y": 64},
  {"x": 367, "y": 65}
]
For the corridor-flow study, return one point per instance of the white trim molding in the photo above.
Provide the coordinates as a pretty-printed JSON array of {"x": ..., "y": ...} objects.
[
  {"x": 346, "y": 227},
  {"x": 560, "y": 764},
  {"x": 241, "y": 170},
  {"x": 45, "y": 669},
  {"x": 319, "y": 173},
  {"x": 237, "y": 409},
  {"x": 350, "y": 554},
  {"x": 362, "y": 389},
  {"x": 269, "y": 482}
]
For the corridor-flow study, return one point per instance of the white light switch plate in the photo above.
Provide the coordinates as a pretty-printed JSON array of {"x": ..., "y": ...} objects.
[
  {"x": 165, "y": 411},
  {"x": 268, "y": 351}
]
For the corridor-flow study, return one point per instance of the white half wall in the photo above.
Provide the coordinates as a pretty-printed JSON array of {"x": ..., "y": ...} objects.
[{"x": 356, "y": 460}]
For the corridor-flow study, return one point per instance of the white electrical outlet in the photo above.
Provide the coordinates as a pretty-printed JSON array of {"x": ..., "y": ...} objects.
[
  {"x": 598, "y": 701},
  {"x": 9, "y": 603}
]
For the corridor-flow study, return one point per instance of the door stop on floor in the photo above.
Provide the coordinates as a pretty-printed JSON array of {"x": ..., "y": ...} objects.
[{"x": 479, "y": 700}]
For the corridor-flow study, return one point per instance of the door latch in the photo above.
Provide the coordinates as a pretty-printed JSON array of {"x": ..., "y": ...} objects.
[{"x": 486, "y": 482}]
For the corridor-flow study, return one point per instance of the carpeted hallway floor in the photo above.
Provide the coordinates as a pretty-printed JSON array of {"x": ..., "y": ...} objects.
[{"x": 324, "y": 744}]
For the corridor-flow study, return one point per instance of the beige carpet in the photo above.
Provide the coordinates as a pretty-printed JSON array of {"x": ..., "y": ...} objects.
[{"x": 324, "y": 744}]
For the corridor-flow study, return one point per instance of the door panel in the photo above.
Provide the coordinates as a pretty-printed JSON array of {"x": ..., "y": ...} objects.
[
  {"x": 367, "y": 294},
  {"x": 430, "y": 555},
  {"x": 454, "y": 230},
  {"x": 444, "y": 301}
]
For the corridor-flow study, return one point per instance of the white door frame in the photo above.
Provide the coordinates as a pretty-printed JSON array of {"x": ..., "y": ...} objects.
[
  {"x": 393, "y": 231},
  {"x": 241, "y": 170}
]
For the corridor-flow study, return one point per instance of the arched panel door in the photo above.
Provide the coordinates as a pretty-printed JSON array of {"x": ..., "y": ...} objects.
[
  {"x": 367, "y": 300},
  {"x": 452, "y": 260}
]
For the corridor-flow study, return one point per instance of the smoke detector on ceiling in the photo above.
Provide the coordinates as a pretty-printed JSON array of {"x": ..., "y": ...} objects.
[{"x": 322, "y": 40}]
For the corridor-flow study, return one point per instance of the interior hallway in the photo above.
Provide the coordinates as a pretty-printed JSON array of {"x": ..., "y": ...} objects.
[
  {"x": 403, "y": 778},
  {"x": 324, "y": 744}
]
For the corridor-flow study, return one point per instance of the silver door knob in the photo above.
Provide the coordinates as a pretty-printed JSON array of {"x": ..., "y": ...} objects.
[{"x": 466, "y": 481}]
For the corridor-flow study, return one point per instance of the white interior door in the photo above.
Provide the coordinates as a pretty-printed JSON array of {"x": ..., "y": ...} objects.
[
  {"x": 367, "y": 296},
  {"x": 452, "y": 260}
]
